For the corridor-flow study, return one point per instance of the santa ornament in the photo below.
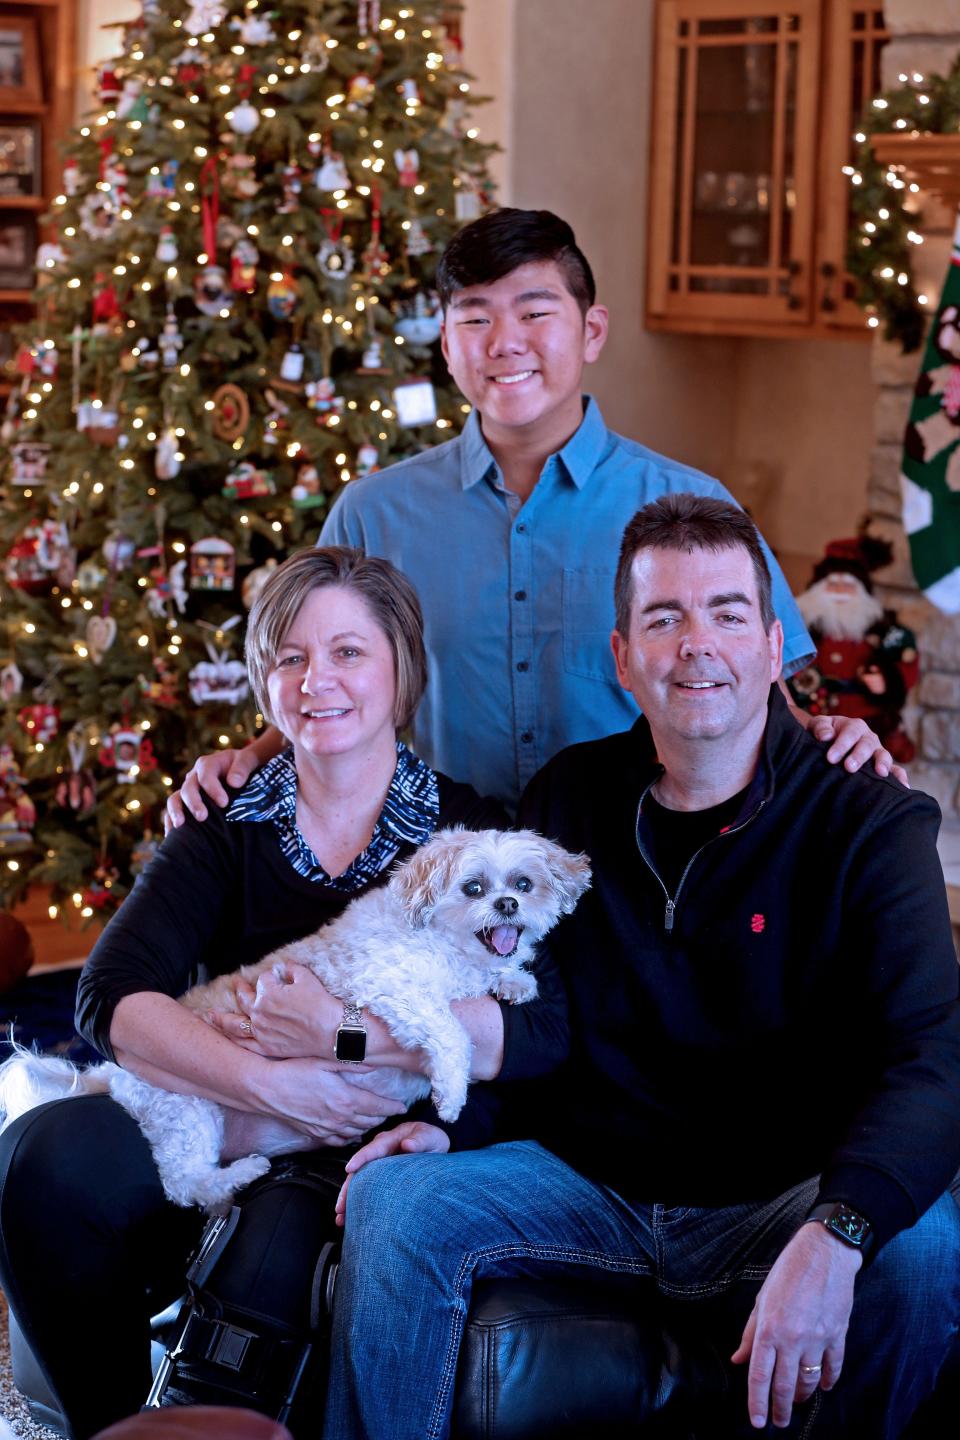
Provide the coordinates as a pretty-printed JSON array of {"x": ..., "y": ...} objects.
[{"x": 866, "y": 662}]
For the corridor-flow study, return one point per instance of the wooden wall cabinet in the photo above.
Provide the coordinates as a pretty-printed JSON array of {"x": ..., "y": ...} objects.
[
  {"x": 37, "y": 46},
  {"x": 755, "y": 106}
]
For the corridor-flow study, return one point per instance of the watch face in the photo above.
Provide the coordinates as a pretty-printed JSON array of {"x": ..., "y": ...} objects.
[
  {"x": 850, "y": 1225},
  {"x": 351, "y": 1045}
]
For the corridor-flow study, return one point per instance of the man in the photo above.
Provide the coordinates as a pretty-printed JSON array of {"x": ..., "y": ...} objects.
[
  {"x": 763, "y": 1084},
  {"x": 504, "y": 530}
]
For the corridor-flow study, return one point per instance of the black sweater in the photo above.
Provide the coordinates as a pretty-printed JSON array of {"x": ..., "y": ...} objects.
[
  {"x": 801, "y": 1016},
  {"x": 219, "y": 895}
]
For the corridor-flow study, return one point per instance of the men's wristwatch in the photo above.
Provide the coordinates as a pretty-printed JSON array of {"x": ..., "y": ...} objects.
[
  {"x": 846, "y": 1223},
  {"x": 350, "y": 1046}
]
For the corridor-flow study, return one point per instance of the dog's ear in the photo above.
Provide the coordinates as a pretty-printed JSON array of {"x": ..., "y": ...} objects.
[
  {"x": 569, "y": 875},
  {"x": 420, "y": 882}
]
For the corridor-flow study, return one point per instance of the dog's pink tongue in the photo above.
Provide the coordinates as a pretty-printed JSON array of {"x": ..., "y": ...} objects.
[{"x": 504, "y": 939}]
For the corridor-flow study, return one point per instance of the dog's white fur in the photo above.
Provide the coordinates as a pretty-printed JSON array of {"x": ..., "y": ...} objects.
[{"x": 404, "y": 951}]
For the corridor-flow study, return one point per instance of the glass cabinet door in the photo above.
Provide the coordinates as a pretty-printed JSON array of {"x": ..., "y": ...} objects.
[{"x": 734, "y": 142}]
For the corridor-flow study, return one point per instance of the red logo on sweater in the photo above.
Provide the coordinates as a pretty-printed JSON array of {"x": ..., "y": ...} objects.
[{"x": 758, "y": 924}]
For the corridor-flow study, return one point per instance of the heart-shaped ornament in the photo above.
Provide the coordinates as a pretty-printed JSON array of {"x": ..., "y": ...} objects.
[{"x": 101, "y": 633}]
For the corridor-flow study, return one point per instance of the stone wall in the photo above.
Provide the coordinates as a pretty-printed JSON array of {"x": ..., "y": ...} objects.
[{"x": 925, "y": 38}]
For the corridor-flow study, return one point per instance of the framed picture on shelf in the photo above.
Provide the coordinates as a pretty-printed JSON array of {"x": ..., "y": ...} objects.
[
  {"x": 20, "y": 79},
  {"x": 20, "y": 158},
  {"x": 18, "y": 248}
]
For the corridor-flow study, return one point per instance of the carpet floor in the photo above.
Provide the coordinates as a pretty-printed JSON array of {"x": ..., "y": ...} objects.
[{"x": 13, "y": 1407}]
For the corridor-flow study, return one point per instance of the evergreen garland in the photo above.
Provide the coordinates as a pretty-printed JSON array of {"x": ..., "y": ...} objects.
[{"x": 884, "y": 232}]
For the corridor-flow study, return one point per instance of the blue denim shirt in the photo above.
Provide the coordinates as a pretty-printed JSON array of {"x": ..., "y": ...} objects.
[{"x": 518, "y": 600}]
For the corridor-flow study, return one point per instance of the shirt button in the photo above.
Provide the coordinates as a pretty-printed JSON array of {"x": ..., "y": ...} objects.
[
  {"x": 527, "y": 737},
  {"x": 520, "y": 595},
  {"x": 521, "y": 529},
  {"x": 523, "y": 665}
]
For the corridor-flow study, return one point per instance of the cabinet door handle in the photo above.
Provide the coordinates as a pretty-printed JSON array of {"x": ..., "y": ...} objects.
[
  {"x": 829, "y": 273},
  {"x": 794, "y": 302}
]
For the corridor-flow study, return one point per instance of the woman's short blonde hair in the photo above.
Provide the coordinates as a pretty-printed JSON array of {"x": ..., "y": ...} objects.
[{"x": 388, "y": 595}]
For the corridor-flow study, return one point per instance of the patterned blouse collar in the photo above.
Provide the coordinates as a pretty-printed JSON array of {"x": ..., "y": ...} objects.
[{"x": 409, "y": 816}]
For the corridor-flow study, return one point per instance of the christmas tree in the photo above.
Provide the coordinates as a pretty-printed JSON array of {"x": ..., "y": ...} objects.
[{"x": 235, "y": 318}]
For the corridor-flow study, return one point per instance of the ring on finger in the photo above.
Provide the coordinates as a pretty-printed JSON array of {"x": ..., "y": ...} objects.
[
  {"x": 810, "y": 1369},
  {"x": 246, "y": 1029}
]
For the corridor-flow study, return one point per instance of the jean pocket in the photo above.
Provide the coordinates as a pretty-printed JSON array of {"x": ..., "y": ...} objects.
[{"x": 587, "y": 617}]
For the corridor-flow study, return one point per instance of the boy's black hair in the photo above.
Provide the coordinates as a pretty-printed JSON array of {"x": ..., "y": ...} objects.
[{"x": 500, "y": 242}]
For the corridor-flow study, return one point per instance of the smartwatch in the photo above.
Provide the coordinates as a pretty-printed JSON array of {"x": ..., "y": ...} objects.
[
  {"x": 846, "y": 1223},
  {"x": 350, "y": 1046}
]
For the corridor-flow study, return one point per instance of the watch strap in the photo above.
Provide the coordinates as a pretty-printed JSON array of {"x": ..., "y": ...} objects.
[{"x": 846, "y": 1223}]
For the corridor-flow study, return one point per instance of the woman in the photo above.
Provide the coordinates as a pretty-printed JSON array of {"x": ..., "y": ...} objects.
[{"x": 337, "y": 663}]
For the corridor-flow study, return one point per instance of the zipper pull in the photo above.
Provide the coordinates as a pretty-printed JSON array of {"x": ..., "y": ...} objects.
[{"x": 668, "y": 916}]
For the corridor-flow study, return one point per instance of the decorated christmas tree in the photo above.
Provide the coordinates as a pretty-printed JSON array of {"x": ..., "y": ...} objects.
[{"x": 236, "y": 317}]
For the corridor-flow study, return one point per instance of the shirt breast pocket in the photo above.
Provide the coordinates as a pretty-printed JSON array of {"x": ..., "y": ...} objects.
[{"x": 587, "y": 617}]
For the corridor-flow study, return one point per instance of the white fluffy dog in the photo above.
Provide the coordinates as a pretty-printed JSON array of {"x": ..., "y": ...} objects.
[{"x": 461, "y": 918}]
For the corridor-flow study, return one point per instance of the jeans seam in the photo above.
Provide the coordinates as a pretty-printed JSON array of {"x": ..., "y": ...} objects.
[{"x": 468, "y": 1264}]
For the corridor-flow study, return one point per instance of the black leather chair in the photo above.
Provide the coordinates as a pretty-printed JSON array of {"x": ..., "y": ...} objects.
[{"x": 572, "y": 1361}]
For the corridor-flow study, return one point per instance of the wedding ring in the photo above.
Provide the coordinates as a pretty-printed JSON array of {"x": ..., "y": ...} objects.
[
  {"x": 810, "y": 1369},
  {"x": 246, "y": 1029}
]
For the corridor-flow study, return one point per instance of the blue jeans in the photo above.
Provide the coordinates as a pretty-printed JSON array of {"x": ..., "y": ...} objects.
[{"x": 420, "y": 1228}]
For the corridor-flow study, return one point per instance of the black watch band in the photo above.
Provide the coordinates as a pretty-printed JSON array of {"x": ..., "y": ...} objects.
[{"x": 846, "y": 1224}]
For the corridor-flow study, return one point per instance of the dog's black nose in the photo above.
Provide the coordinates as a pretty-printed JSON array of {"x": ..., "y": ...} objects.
[{"x": 506, "y": 905}]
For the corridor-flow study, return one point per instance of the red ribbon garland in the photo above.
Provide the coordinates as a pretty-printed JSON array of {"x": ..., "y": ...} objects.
[
  {"x": 210, "y": 205},
  {"x": 244, "y": 81},
  {"x": 106, "y": 150},
  {"x": 334, "y": 231}
]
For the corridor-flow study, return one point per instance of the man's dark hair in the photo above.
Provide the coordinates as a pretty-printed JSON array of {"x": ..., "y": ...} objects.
[
  {"x": 502, "y": 241},
  {"x": 689, "y": 522}
]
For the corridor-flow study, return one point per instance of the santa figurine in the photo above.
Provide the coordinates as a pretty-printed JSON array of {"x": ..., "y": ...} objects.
[{"x": 866, "y": 662}]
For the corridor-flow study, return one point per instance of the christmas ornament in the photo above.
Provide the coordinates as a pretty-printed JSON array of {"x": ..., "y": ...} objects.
[
  {"x": 415, "y": 402},
  {"x": 40, "y": 558},
  {"x": 128, "y": 753},
  {"x": 417, "y": 242},
  {"x": 29, "y": 463},
  {"x": 275, "y": 418},
  {"x": 231, "y": 412},
  {"x": 108, "y": 83},
  {"x": 178, "y": 588},
  {"x": 98, "y": 215},
  {"x": 368, "y": 16},
  {"x": 306, "y": 494},
  {"x": 218, "y": 681},
  {"x": 190, "y": 71},
  {"x": 240, "y": 176},
  {"x": 161, "y": 691},
  {"x": 71, "y": 178},
  {"x": 292, "y": 186},
  {"x": 419, "y": 319},
  {"x": 78, "y": 791},
  {"x": 243, "y": 119},
  {"x": 41, "y": 722},
  {"x": 211, "y": 292},
  {"x": 323, "y": 398},
  {"x": 49, "y": 257},
  {"x": 408, "y": 166},
  {"x": 90, "y": 577},
  {"x": 130, "y": 106},
  {"x": 331, "y": 174},
  {"x": 246, "y": 482},
  {"x": 204, "y": 15},
  {"x": 11, "y": 681},
  {"x": 291, "y": 366},
  {"x": 171, "y": 341},
  {"x": 166, "y": 462},
  {"x": 145, "y": 354},
  {"x": 143, "y": 852},
  {"x": 360, "y": 92},
  {"x": 410, "y": 92},
  {"x": 114, "y": 174},
  {"x": 167, "y": 246},
  {"x": 255, "y": 30},
  {"x": 101, "y": 633},
  {"x": 119, "y": 550},
  {"x": 866, "y": 661},
  {"x": 368, "y": 459},
  {"x": 283, "y": 296},
  {"x": 243, "y": 266},
  {"x": 106, "y": 307},
  {"x": 97, "y": 895},
  {"x": 212, "y": 564},
  {"x": 335, "y": 256},
  {"x": 371, "y": 362},
  {"x": 254, "y": 582},
  {"x": 101, "y": 423},
  {"x": 18, "y": 814}
]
